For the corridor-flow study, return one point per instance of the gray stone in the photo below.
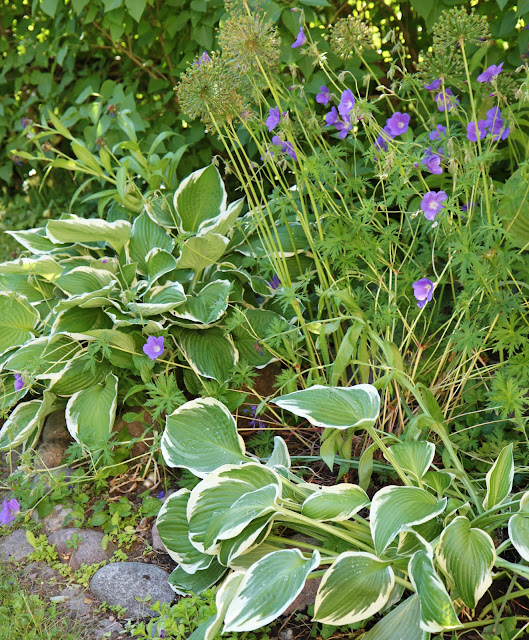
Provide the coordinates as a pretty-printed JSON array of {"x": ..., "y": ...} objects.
[
  {"x": 56, "y": 520},
  {"x": 55, "y": 428},
  {"x": 50, "y": 455},
  {"x": 122, "y": 582},
  {"x": 15, "y": 547},
  {"x": 86, "y": 550},
  {"x": 157, "y": 543},
  {"x": 75, "y": 601},
  {"x": 106, "y": 629},
  {"x": 42, "y": 573}
]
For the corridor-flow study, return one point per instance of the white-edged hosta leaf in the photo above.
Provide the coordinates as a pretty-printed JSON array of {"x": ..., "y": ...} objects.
[
  {"x": 43, "y": 266},
  {"x": 90, "y": 299},
  {"x": 519, "y": 528},
  {"x": 217, "y": 494},
  {"x": 412, "y": 539},
  {"x": 160, "y": 210},
  {"x": 336, "y": 407},
  {"x": 173, "y": 529},
  {"x": 17, "y": 321},
  {"x": 145, "y": 236},
  {"x": 79, "y": 320},
  {"x": 246, "y": 560},
  {"x": 201, "y": 436},
  {"x": 224, "y": 222},
  {"x": 437, "y": 610},
  {"x": 356, "y": 586},
  {"x": 122, "y": 345},
  {"x": 35, "y": 240},
  {"x": 35, "y": 289},
  {"x": 80, "y": 230},
  {"x": 335, "y": 503},
  {"x": 499, "y": 478},
  {"x": 90, "y": 413},
  {"x": 414, "y": 456},
  {"x": 186, "y": 584},
  {"x": 209, "y": 352},
  {"x": 199, "y": 252},
  {"x": 250, "y": 538},
  {"x": 159, "y": 262},
  {"x": 402, "y": 623},
  {"x": 25, "y": 421},
  {"x": 396, "y": 508},
  {"x": 206, "y": 306},
  {"x": 199, "y": 199},
  {"x": 250, "y": 337},
  {"x": 77, "y": 375},
  {"x": 160, "y": 300},
  {"x": 209, "y": 630},
  {"x": 280, "y": 455},
  {"x": 267, "y": 589},
  {"x": 466, "y": 555},
  {"x": 83, "y": 280},
  {"x": 438, "y": 480},
  {"x": 287, "y": 241}
]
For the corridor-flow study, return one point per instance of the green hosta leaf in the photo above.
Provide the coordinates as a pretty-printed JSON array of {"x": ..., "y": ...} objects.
[
  {"x": 208, "y": 305},
  {"x": 251, "y": 336},
  {"x": 287, "y": 242},
  {"x": 223, "y": 224},
  {"x": 437, "y": 610},
  {"x": 80, "y": 231},
  {"x": 17, "y": 321},
  {"x": 210, "y": 629},
  {"x": 402, "y": 623},
  {"x": 90, "y": 413},
  {"x": 33, "y": 288},
  {"x": 268, "y": 588},
  {"x": 355, "y": 587},
  {"x": 173, "y": 529},
  {"x": 218, "y": 493},
  {"x": 186, "y": 584},
  {"x": 78, "y": 375},
  {"x": 83, "y": 280},
  {"x": 209, "y": 352},
  {"x": 249, "y": 539},
  {"x": 200, "y": 252},
  {"x": 438, "y": 480},
  {"x": 161, "y": 211},
  {"x": 122, "y": 346},
  {"x": 42, "y": 266},
  {"x": 519, "y": 528},
  {"x": 466, "y": 555},
  {"x": 336, "y": 503},
  {"x": 199, "y": 199},
  {"x": 25, "y": 421},
  {"x": 335, "y": 407},
  {"x": 43, "y": 357},
  {"x": 160, "y": 300},
  {"x": 201, "y": 436},
  {"x": 80, "y": 320},
  {"x": 499, "y": 478},
  {"x": 145, "y": 236},
  {"x": 158, "y": 263},
  {"x": 414, "y": 456},
  {"x": 91, "y": 300},
  {"x": 280, "y": 455},
  {"x": 35, "y": 240},
  {"x": 413, "y": 539},
  {"x": 396, "y": 508},
  {"x": 246, "y": 560}
]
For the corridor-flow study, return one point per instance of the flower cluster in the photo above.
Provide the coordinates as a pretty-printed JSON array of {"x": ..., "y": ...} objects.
[
  {"x": 395, "y": 126},
  {"x": 349, "y": 37},
  {"x": 493, "y": 125},
  {"x": 343, "y": 123},
  {"x": 445, "y": 100}
]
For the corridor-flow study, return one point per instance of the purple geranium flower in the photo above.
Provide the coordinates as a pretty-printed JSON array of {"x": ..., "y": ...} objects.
[
  {"x": 433, "y": 86},
  {"x": 423, "y": 291},
  {"x": 446, "y": 100},
  {"x": 347, "y": 102},
  {"x": 286, "y": 147},
  {"x": 275, "y": 282},
  {"x": 432, "y": 162},
  {"x": 398, "y": 123},
  {"x": 273, "y": 119},
  {"x": 323, "y": 96},
  {"x": 301, "y": 39},
  {"x": 19, "y": 383},
  {"x": 494, "y": 121},
  {"x": 343, "y": 127},
  {"x": 490, "y": 73},
  {"x": 9, "y": 510},
  {"x": 255, "y": 423},
  {"x": 473, "y": 131},
  {"x": 331, "y": 117},
  {"x": 25, "y": 122},
  {"x": 432, "y": 203},
  {"x": 439, "y": 132},
  {"x": 160, "y": 495},
  {"x": 153, "y": 347}
]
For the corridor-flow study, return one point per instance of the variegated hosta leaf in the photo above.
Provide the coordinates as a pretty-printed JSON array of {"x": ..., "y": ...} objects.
[
  {"x": 160, "y": 300},
  {"x": 174, "y": 529},
  {"x": 402, "y": 623},
  {"x": 17, "y": 321},
  {"x": 210, "y": 629},
  {"x": 336, "y": 503},
  {"x": 90, "y": 413},
  {"x": 80, "y": 230},
  {"x": 44, "y": 356},
  {"x": 336, "y": 407},
  {"x": 200, "y": 252},
  {"x": 25, "y": 421},
  {"x": 418, "y": 537},
  {"x": 209, "y": 352},
  {"x": 414, "y": 456},
  {"x": 437, "y": 610},
  {"x": 519, "y": 528},
  {"x": 218, "y": 493},
  {"x": 248, "y": 539},
  {"x": 158, "y": 263},
  {"x": 79, "y": 320},
  {"x": 246, "y": 560},
  {"x": 267, "y": 589},
  {"x": 201, "y": 436},
  {"x": 78, "y": 375},
  {"x": 223, "y": 224},
  {"x": 280, "y": 455},
  {"x": 208, "y": 305},
  {"x": 43, "y": 266},
  {"x": 466, "y": 555},
  {"x": 438, "y": 480},
  {"x": 499, "y": 478},
  {"x": 35, "y": 240},
  {"x": 83, "y": 280},
  {"x": 396, "y": 508},
  {"x": 251, "y": 336},
  {"x": 356, "y": 586},
  {"x": 145, "y": 236},
  {"x": 186, "y": 584}
]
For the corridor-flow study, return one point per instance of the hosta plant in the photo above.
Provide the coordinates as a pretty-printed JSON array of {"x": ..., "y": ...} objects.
[
  {"x": 417, "y": 553},
  {"x": 96, "y": 311}
]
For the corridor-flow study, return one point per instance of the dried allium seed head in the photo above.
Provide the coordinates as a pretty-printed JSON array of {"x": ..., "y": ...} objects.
[
  {"x": 349, "y": 37},
  {"x": 250, "y": 40},
  {"x": 457, "y": 27},
  {"x": 441, "y": 63}
]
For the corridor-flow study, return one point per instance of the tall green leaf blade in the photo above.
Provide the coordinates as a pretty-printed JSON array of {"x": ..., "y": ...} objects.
[
  {"x": 81, "y": 230},
  {"x": 335, "y": 407},
  {"x": 337, "y": 503},
  {"x": 499, "y": 478},
  {"x": 355, "y": 587},
  {"x": 201, "y": 436},
  {"x": 268, "y": 588}
]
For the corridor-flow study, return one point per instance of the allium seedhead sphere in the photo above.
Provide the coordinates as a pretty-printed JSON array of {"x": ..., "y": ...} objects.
[
  {"x": 349, "y": 37},
  {"x": 457, "y": 27},
  {"x": 246, "y": 39}
]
